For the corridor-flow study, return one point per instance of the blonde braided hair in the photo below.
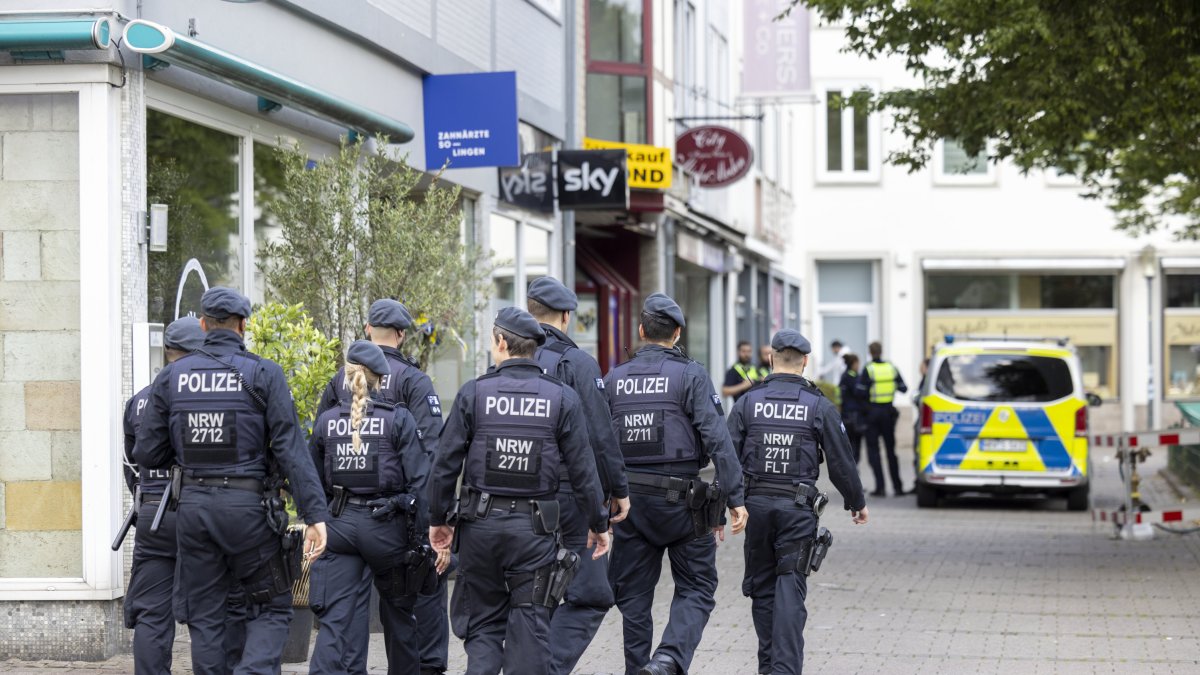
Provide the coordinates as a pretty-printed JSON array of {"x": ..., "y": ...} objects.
[{"x": 362, "y": 382}]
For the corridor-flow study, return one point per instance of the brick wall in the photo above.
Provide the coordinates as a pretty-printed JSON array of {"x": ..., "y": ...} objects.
[{"x": 40, "y": 502}]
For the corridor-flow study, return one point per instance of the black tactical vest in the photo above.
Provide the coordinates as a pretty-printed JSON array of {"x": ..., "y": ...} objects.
[
  {"x": 391, "y": 386},
  {"x": 514, "y": 451},
  {"x": 376, "y": 467},
  {"x": 647, "y": 410},
  {"x": 781, "y": 440},
  {"x": 215, "y": 424},
  {"x": 152, "y": 481},
  {"x": 549, "y": 355}
]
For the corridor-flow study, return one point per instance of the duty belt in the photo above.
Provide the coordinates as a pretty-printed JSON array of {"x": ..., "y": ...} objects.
[
  {"x": 805, "y": 496},
  {"x": 512, "y": 504},
  {"x": 247, "y": 484},
  {"x": 364, "y": 500},
  {"x": 671, "y": 487}
]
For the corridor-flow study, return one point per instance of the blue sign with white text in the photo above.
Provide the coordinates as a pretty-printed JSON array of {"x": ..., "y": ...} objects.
[{"x": 471, "y": 120}]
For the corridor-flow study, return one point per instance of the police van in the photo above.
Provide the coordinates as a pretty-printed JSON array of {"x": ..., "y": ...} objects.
[{"x": 1003, "y": 415}]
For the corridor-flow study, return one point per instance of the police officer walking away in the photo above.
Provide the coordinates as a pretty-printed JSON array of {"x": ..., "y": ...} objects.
[
  {"x": 152, "y": 576},
  {"x": 406, "y": 385},
  {"x": 879, "y": 382},
  {"x": 373, "y": 467},
  {"x": 589, "y": 596},
  {"x": 507, "y": 435},
  {"x": 224, "y": 416},
  {"x": 854, "y": 405},
  {"x": 669, "y": 424},
  {"x": 781, "y": 429}
]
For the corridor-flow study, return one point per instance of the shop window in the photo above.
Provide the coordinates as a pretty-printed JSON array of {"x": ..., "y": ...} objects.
[
  {"x": 616, "y": 107},
  {"x": 535, "y": 250},
  {"x": 615, "y": 30},
  {"x": 845, "y": 281},
  {"x": 1020, "y": 291},
  {"x": 195, "y": 171},
  {"x": 1183, "y": 290},
  {"x": 268, "y": 188},
  {"x": 502, "y": 237},
  {"x": 960, "y": 291},
  {"x": 848, "y": 146},
  {"x": 953, "y": 166},
  {"x": 1083, "y": 291}
]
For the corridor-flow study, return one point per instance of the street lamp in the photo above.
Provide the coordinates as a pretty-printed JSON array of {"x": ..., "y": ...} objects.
[{"x": 1149, "y": 261}]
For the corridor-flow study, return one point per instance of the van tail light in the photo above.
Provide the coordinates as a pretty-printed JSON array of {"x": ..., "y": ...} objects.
[
  {"x": 926, "y": 419},
  {"x": 1081, "y": 421}
]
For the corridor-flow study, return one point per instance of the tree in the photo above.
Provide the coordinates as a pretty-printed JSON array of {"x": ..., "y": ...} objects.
[
  {"x": 1106, "y": 90},
  {"x": 286, "y": 335},
  {"x": 356, "y": 227}
]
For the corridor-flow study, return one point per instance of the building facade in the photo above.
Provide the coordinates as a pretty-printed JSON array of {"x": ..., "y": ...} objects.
[{"x": 973, "y": 247}]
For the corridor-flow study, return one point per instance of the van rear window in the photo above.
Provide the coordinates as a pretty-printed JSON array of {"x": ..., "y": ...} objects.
[{"x": 1004, "y": 377}]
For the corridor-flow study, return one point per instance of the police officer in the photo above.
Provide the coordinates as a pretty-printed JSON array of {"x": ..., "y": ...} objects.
[
  {"x": 879, "y": 382},
  {"x": 373, "y": 468},
  {"x": 152, "y": 576},
  {"x": 508, "y": 434},
  {"x": 406, "y": 385},
  {"x": 223, "y": 414},
  {"x": 782, "y": 428},
  {"x": 589, "y": 596},
  {"x": 669, "y": 424}
]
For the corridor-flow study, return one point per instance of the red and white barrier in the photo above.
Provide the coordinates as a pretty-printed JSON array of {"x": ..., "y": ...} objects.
[
  {"x": 1164, "y": 517},
  {"x": 1146, "y": 439}
]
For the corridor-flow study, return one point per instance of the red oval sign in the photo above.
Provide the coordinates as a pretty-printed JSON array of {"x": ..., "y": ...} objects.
[{"x": 717, "y": 156}]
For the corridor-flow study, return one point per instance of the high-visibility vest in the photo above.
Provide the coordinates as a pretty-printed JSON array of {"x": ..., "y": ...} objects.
[
  {"x": 754, "y": 373},
  {"x": 883, "y": 381}
]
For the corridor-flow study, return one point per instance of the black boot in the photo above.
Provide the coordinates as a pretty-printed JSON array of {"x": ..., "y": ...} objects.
[{"x": 660, "y": 664}]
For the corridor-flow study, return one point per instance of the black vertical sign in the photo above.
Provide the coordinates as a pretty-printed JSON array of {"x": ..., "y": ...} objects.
[
  {"x": 529, "y": 185},
  {"x": 592, "y": 179}
]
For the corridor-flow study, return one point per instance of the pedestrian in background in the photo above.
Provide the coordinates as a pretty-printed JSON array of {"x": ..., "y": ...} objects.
[
  {"x": 832, "y": 371},
  {"x": 879, "y": 382},
  {"x": 223, "y": 414},
  {"x": 854, "y": 406},
  {"x": 743, "y": 374},
  {"x": 764, "y": 361},
  {"x": 506, "y": 437},
  {"x": 589, "y": 596},
  {"x": 373, "y": 467},
  {"x": 781, "y": 429},
  {"x": 670, "y": 424}
]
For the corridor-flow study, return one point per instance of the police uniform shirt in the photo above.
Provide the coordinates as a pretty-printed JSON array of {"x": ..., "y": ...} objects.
[
  {"x": 407, "y": 386},
  {"x": 579, "y": 371},
  {"x": 864, "y": 380},
  {"x": 131, "y": 421},
  {"x": 572, "y": 439},
  {"x": 405, "y": 441},
  {"x": 831, "y": 437},
  {"x": 702, "y": 406},
  {"x": 154, "y": 448}
]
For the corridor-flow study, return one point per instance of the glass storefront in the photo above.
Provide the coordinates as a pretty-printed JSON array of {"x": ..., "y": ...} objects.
[{"x": 1181, "y": 335}]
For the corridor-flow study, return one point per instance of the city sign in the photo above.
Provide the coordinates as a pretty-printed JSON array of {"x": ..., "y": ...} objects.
[
  {"x": 530, "y": 185},
  {"x": 717, "y": 156},
  {"x": 592, "y": 179},
  {"x": 776, "y": 61},
  {"x": 649, "y": 165},
  {"x": 471, "y": 120}
]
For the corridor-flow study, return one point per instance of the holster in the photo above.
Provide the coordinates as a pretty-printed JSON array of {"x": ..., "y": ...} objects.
[
  {"x": 549, "y": 585},
  {"x": 337, "y": 500},
  {"x": 472, "y": 505},
  {"x": 282, "y": 570},
  {"x": 806, "y": 556},
  {"x": 277, "y": 515},
  {"x": 715, "y": 509},
  {"x": 698, "y": 504},
  {"x": 417, "y": 574},
  {"x": 546, "y": 516}
]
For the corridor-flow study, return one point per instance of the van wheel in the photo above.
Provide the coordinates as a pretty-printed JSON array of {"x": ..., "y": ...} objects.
[
  {"x": 1077, "y": 498},
  {"x": 927, "y": 497}
]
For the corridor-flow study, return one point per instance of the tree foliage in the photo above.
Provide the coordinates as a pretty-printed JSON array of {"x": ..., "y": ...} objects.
[
  {"x": 356, "y": 227},
  {"x": 286, "y": 335},
  {"x": 1106, "y": 90}
]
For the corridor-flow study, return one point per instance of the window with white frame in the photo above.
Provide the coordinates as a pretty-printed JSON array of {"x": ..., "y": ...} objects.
[
  {"x": 848, "y": 135},
  {"x": 952, "y": 165}
]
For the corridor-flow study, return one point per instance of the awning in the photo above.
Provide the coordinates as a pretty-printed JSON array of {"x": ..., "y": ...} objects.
[
  {"x": 1040, "y": 264},
  {"x": 1174, "y": 263},
  {"x": 164, "y": 44}
]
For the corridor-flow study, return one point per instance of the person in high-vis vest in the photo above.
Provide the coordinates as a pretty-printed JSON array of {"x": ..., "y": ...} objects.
[
  {"x": 743, "y": 374},
  {"x": 879, "y": 381}
]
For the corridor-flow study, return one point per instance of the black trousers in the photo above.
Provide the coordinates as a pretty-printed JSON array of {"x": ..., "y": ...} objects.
[
  {"x": 652, "y": 528},
  {"x": 776, "y": 600},
  {"x": 148, "y": 602},
  {"x": 356, "y": 543},
  {"x": 881, "y": 423},
  {"x": 589, "y": 596},
  {"x": 223, "y": 536},
  {"x": 497, "y": 634}
]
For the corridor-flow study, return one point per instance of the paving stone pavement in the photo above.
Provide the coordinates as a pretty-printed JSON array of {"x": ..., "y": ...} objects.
[{"x": 979, "y": 585}]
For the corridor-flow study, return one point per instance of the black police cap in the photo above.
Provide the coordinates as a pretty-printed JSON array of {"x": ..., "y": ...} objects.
[
  {"x": 220, "y": 302},
  {"x": 661, "y": 305},
  {"x": 184, "y": 334},
  {"x": 790, "y": 339},
  {"x": 368, "y": 354},
  {"x": 389, "y": 314},
  {"x": 520, "y": 323},
  {"x": 553, "y": 294}
]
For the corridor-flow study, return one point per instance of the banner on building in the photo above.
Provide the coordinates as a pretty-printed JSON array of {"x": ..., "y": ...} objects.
[
  {"x": 592, "y": 179},
  {"x": 649, "y": 165},
  {"x": 716, "y": 156},
  {"x": 776, "y": 62},
  {"x": 530, "y": 185},
  {"x": 471, "y": 120}
]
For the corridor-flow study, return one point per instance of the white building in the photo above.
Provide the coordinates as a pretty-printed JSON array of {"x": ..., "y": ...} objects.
[{"x": 971, "y": 247}]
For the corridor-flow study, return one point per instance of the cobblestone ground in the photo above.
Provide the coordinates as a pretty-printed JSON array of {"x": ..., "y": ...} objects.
[{"x": 980, "y": 585}]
